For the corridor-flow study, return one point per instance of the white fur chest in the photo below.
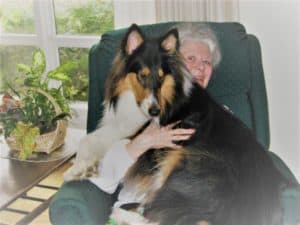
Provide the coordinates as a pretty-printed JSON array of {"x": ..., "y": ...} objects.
[{"x": 127, "y": 117}]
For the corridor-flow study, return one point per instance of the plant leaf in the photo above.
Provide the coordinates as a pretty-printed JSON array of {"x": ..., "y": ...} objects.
[
  {"x": 22, "y": 68},
  {"x": 67, "y": 67},
  {"x": 59, "y": 76},
  {"x": 38, "y": 62},
  {"x": 32, "y": 81},
  {"x": 25, "y": 136}
]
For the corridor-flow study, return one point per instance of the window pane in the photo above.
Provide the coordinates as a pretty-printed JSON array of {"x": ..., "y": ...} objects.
[
  {"x": 75, "y": 61},
  {"x": 10, "y": 56},
  {"x": 16, "y": 16},
  {"x": 83, "y": 16}
]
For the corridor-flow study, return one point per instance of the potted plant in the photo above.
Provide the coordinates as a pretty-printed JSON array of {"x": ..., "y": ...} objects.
[{"x": 39, "y": 121}]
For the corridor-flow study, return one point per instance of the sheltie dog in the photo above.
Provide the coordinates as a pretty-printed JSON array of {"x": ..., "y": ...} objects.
[{"x": 220, "y": 176}]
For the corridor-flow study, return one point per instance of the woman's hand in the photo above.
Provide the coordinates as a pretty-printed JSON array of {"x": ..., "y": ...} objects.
[{"x": 157, "y": 137}]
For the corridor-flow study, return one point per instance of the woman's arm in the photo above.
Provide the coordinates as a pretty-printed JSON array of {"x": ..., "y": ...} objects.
[
  {"x": 156, "y": 137},
  {"x": 124, "y": 153}
]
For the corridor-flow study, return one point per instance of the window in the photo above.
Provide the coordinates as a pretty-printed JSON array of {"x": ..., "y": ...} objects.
[{"x": 65, "y": 30}]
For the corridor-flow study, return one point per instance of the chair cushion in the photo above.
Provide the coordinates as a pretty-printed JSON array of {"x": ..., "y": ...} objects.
[{"x": 80, "y": 202}]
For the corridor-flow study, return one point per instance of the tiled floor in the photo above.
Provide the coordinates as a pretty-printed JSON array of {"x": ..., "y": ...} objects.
[{"x": 54, "y": 180}]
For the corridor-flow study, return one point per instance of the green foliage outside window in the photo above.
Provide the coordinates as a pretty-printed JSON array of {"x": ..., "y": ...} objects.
[
  {"x": 17, "y": 17},
  {"x": 10, "y": 56},
  {"x": 93, "y": 17},
  {"x": 77, "y": 69}
]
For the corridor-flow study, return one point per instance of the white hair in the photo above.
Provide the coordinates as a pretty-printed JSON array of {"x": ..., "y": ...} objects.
[{"x": 202, "y": 33}]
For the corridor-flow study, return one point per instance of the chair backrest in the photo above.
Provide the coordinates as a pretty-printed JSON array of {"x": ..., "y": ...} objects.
[{"x": 238, "y": 82}]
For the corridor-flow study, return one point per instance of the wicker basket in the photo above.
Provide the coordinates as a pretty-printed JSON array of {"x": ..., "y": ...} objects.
[{"x": 47, "y": 142}]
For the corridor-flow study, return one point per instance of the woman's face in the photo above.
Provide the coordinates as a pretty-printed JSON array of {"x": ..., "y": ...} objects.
[{"x": 197, "y": 59}]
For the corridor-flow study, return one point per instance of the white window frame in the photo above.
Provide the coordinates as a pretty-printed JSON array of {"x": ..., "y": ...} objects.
[{"x": 45, "y": 36}]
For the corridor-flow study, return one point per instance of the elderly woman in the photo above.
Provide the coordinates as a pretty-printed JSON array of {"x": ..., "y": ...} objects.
[
  {"x": 200, "y": 51},
  {"x": 201, "y": 54}
]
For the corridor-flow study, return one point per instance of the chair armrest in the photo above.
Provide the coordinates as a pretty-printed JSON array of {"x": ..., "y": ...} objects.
[
  {"x": 80, "y": 202},
  {"x": 282, "y": 167},
  {"x": 291, "y": 206},
  {"x": 291, "y": 196}
]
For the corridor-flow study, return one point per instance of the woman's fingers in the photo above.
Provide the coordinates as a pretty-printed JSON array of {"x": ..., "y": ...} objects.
[
  {"x": 171, "y": 125},
  {"x": 181, "y": 137},
  {"x": 159, "y": 137},
  {"x": 181, "y": 131}
]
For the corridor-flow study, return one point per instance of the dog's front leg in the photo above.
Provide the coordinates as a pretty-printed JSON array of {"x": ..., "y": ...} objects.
[
  {"x": 117, "y": 123},
  {"x": 91, "y": 149}
]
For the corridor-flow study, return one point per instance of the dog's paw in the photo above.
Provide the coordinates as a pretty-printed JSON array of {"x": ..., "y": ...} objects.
[
  {"x": 71, "y": 174},
  {"x": 81, "y": 171}
]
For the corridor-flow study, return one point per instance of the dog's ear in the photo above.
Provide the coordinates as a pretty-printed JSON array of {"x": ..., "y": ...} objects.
[
  {"x": 170, "y": 41},
  {"x": 133, "y": 39}
]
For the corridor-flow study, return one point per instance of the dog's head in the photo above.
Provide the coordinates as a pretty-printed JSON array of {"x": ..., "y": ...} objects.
[{"x": 152, "y": 69}]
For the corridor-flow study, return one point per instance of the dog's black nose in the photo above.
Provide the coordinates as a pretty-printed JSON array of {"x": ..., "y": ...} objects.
[{"x": 154, "y": 111}]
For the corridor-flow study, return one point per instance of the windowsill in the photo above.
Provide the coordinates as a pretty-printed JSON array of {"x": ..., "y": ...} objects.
[{"x": 79, "y": 114}]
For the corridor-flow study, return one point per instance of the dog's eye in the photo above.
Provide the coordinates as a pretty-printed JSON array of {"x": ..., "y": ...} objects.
[
  {"x": 141, "y": 76},
  {"x": 143, "y": 73}
]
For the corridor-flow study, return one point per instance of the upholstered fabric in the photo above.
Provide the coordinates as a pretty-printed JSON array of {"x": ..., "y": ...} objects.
[
  {"x": 80, "y": 203},
  {"x": 238, "y": 83}
]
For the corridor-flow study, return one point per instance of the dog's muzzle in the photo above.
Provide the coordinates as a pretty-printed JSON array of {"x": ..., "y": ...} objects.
[
  {"x": 154, "y": 111},
  {"x": 150, "y": 107}
]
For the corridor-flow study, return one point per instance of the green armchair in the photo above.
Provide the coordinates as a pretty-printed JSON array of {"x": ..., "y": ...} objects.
[{"x": 238, "y": 82}]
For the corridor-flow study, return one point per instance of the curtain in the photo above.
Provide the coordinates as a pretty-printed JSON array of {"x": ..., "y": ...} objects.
[{"x": 197, "y": 10}]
